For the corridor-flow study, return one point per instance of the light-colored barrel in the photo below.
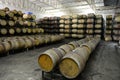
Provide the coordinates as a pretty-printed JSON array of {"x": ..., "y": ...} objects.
[
  {"x": 4, "y": 31},
  {"x": 81, "y": 26},
  {"x": 24, "y": 30},
  {"x": 81, "y": 21},
  {"x": 73, "y": 63},
  {"x": 74, "y": 20},
  {"x": 74, "y": 26},
  {"x": 14, "y": 44},
  {"x": 28, "y": 43},
  {"x": 98, "y": 26},
  {"x": 50, "y": 58},
  {"x": 67, "y": 48},
  {"x": 21, "y": 43},
  {"x": 11, "y": 31},
  {"x": 18, "y": 30},
  {"x": 74, "y": 44},
  {"x": 7, "y": 46}
]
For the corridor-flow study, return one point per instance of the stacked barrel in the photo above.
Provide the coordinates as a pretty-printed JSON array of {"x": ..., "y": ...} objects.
[
  {"x": 90, "y": 25},
  {"x": 15, "y": 22},
  {"x": 23, "y": 42},
  {"x": 65, "y": 25},
  {"x": 99, "y": 26},
  {"x": 49, "y": 24},
  {"x": 109, "y": 28},
  {"x": 116, "y": 28},
  {"x": 78, "y": 26},
  {"x": 71, "y": 57}
]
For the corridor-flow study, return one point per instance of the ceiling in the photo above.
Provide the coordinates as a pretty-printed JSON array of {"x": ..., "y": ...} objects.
[{"x": 62, "y": 7}]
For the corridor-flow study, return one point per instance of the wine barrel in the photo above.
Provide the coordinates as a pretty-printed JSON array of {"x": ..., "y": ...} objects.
[
  {"x": 62, "y": 25},
  {"x": 90, "y": 25},
  {"x": 50, "y": 58},
  {"x": 2, "y": 14},
  {"x": 27, "y": 16},
  {"x": 81, "y": 26},
  {"x": 74, "y": 30},
  {"x": 98, "y": 26},
  {"x": 61, "y": 30},
  {"x": 15, "y": 18},
  {"x": 10, "y": 14},
  {"x": 7, "y": 46},
  {"x": 98, "y": 21},
  {"x": 3, "y": 23},
  {"x": 27, "y": 23},
  {"x": 29, "y": 30},
  {"x": 24, "y": 30},
  {"x": 19, "y": 18},
  {"x": 33, "y": 24},
  {"x": 11, "y": 23},
  {"x": 74, "y": 44},
  {"x": 37, "y": 41},
  {"x": 67, "y": 30},
  {"x": 67, "y": 35},
  {"x": 20, "y": 13},
  {"x": 19, "y": 23},
  {"x": 91, "y": 44},
  {"x": 14, "y": 11},
  {"x": 67, "y": 48},
  {"x": 81, "y": 21},
  {"x": 61, "y": 21},
  {"x": 98, "y": 31},
  {"x": 75, "y": 21},
  {"x": 42, "y": 40},
  {"x": 67, "y": 21},
  {"x": 80, "y": 31},
  {"x": 90, "y": 20},
  {"x": 18, "y": 30},
  {"x": 21, "y": 43},
  {"x": 80, "y": 35},
  {"x": 14, "y": 44},
  {"x": 3, "y": 31},
  {"x": 33, "y": 31},
  {"x": 74, "y": 25},
  {"x": 74, "y": 35},
  {"x": 11, "y": 31},
  {"x": 67, "y": 26},
  {"x": 28, "y": 42},
  {"x": 32, "y": 39},
  {"x": 117, "y": 18},
  {"x": 72, "y": 64}
]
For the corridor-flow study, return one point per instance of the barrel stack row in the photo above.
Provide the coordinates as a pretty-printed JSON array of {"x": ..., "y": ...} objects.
[
  {"x": 23, "y": 42},
  {"x": 49, "y": 24},
  {"x": 71, "y": 57},
  {"x": 73, "y": 26},
  {"x": 90, "y": 25},
  {"x": 20, "y": 31},
  {"x": 116, "y": 28},
  {"x": 15, "y": 22},
  {"x": 99, "y": 26},
  {"x": 65, "y": 25},
  {"x": 109, "y": 28}
]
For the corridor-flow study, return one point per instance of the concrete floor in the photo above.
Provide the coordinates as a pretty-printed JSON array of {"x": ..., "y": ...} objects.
[{"x": 104, "y": 64}]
